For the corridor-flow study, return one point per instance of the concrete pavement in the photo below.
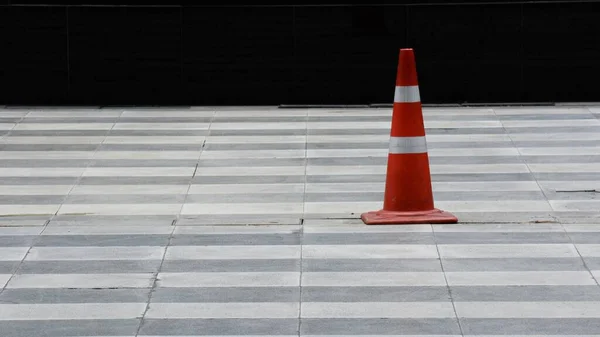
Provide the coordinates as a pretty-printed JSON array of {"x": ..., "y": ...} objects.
[{"x": 133, "y": 222}]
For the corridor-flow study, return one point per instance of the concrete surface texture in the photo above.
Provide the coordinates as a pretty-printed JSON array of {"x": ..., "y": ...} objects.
[{"x": 244, "y": 221}]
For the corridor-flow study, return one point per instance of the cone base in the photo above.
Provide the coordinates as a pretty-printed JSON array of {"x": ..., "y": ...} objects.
[{"x": 383, "y": 217}]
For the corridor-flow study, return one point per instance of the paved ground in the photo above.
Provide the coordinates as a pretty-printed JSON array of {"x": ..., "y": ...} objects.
[{"x": 130, "y": 222}]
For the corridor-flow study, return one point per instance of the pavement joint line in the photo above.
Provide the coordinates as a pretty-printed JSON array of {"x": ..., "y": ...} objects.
[
  {"x": 522, "y": 160},
  {"x": 448, "y": 288},
  {"x": 33, "y": 242},
  {"x": 155, "y": 282},
  {"x": 187, "y": 193},
  {"x": 89, "y": 164},
  {"x": 580, "y": 256}
]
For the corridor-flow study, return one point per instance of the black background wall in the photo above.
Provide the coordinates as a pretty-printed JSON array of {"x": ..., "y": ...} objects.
[{"x": 468, "y": 51}]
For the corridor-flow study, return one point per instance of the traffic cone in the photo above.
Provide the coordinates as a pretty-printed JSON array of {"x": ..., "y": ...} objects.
[{"x": 408, "y": 194}]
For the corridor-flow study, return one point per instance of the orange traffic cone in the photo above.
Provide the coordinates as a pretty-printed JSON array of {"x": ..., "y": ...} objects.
[{"x": 408, "y": 193}]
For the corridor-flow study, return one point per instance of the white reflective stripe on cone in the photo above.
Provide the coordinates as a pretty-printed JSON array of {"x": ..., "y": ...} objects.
[
  {"x": 407, "y": 94},
  {"x": 402, "y": 145}
]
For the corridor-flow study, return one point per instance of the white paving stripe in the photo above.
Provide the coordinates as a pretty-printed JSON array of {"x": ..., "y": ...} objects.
[
  {"x": 169, "y": 114},
  {"x": 119, "y": 209},
  {"x": 325, "y": 227},
  {"x": 129, "y": 189},
  {"x": 560, "y": 151},
  {"x": 139, "y": 172},
  {"x": 107, "y": 230},
  {"x": 344, "y": 187},
  {"x": 442, "y": 186},
  {"x": 232, "y": 252},
  {"x": 239, "y": 154},
  {"x": 161, "y": 126},
  {"x": 546, "y": 309},
  {"x": 454, "y": 152},
  {"x": 499, "y": 228},
  {"x": 372, "y": 279},
  {"x": 54, "y": 140},
  {"x": 550, "y": 123},
  {"x": 589, "y": 250},
  {"x": 92, "y": 113},
  {"x": 434, "y": 169},
  {"x": 245, "y": 188},
  {"x": 476, "y": 186},
  {"x": 35, "y": 189},
  {"x": 198, "y": 140},
  {"x": 20, "y": 230},
  {"x": 565, "y": 168},
  {"x": 250, "y": 171},
  {"x": 13, "y": 253},
  {"x": 258, "y": 126},
  {"x": 63, "y": 126},
  {"x": 507, "y": 251},
  {"x": 70, "y": 311},
  {"x": 85, "y": 281},
  {"x": 575, "y": 205},
  {"x": 377, "y": 310},
  {"x": 245, "y": 208},
  {"x": 223, "y": 310},
  {"x": 500, "y": 111},
  {"x": 232, "y": 279},
  {"x": 41, "y": 172},
  {"x": 141, "y": 155},
  {"x": 240, "y": 229},
  {"x": 520, "y": 278},
  {"x": 369, "y": 252},
  {"x": 356, "y": 208},
  {"x": 565, "y": 136},
  {"x": 575, "y": 228},
  {"x": 46, "y": 155},
  {"x": 95, "y": 253},
  {"x": 256, "y": 139}
]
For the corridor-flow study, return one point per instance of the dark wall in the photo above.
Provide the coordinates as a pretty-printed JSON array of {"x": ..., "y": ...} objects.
[{"x": 73, "y": 53}]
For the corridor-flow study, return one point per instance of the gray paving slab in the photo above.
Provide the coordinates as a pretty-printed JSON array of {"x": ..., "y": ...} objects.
[
  {"x": 531, "y": 326},
  {"x": 505, "y": 238},
  {"x": 19, "y": 163},
  {"x": 250, "y": 146},
  {"x": 50, "y": 296},
  {"x": 89, "y": 267},
  {"x": 375, "y": 294},
  {"x": 125, "y": 199},
  {"x": 245, "y": 265},
  {"x": 70, "y": 328},
  {"x": 38, "y": 180},
  {"x": 377, "y": 326},
  {"x": 245, "y": 198},
  {"x": 226, "y": 295},
  {"x": 101, "y": 240},
  {"x": 514, "y": 264},
  {"x": 231, "y": 327},
  {"x": 275, "y": 179},
  {"x": 151, "y": 147},
  {"x": 48, "y": 147},
  {"x": 124, "y": 180},
  {"x": 233, "y": 239},
  {"x": 398, "y": 264},
  {"x": 368, "y": 238},
  {"x": 8, "y": 267},
  {"x": 17, "y": 240},
  {"x": 525, "y": 293},
  {"x": 109, "y": 220}
]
